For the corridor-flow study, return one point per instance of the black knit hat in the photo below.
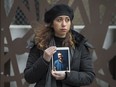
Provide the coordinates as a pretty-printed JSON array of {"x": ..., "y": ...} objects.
[{"x": 58, "y": 10}]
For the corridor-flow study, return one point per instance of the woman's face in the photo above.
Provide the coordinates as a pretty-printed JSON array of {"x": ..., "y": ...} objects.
[{"x": 61, "y": 25}]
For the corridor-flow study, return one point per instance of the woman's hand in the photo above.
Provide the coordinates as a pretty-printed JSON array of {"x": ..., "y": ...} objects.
[
  {"x": 58, "y": 75},
  {"x": 48, "y": 53}
]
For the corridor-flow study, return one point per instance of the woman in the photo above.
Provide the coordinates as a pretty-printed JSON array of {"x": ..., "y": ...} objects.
[{"x": 58, "y": 33}]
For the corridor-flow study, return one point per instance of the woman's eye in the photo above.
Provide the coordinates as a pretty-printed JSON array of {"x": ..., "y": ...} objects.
[
  {"x": 67, "y": 20},
  {"x": 59, "y": 19}
]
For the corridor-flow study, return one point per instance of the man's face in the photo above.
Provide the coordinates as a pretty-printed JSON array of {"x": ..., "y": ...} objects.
[{"x": 60, "y": 56}]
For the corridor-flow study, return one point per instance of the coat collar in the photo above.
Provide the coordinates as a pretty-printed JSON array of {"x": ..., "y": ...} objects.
[{"x": 80, "y": 39}]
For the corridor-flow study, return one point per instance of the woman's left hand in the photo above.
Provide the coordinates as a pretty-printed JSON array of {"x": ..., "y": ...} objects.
[{"x": 58, "y": 75}]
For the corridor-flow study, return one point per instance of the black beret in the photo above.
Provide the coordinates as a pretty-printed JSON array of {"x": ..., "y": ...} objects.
[{"x": 58, "y": 10}]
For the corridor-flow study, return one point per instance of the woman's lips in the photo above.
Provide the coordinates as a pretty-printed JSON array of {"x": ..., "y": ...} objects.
[{"x": 64, "y": 30}]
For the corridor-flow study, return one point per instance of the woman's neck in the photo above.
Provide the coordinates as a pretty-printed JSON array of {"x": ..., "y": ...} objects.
[
  {"x": 61, "y": 36},
  {"x": 58, "y": 41}
]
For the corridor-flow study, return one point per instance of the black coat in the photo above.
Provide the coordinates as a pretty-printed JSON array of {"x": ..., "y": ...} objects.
[{"x": 81, "y": 73}]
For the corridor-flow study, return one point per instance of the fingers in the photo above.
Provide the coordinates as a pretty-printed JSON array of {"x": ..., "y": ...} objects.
[
  {"x": 51, "y": 50},
  {"x": 48, "y": 53},
  {"x": 54, "y": 74},
  {"x": 59, "y": 75}
]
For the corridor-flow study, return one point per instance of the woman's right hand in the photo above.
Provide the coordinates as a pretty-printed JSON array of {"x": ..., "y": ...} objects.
[{"x": 48, "y": 53}]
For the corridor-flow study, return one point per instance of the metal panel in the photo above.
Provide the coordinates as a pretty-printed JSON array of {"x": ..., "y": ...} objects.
[{"x": 94, "y": 15}]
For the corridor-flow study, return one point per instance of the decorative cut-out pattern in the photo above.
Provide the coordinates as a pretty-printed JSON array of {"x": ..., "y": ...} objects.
[{"x": 96, "y": 25}]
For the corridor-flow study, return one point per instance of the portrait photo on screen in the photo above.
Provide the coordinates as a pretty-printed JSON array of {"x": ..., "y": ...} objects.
[{"x": 61, "y": 59}]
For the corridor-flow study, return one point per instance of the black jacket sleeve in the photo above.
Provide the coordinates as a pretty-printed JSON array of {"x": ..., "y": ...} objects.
[
  {"x": 36, "y": 66},
  {"x": 85, "y": 74}
]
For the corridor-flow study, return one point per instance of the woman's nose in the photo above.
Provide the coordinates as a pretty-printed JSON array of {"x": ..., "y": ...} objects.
[{"x": 63, "y": 23}]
